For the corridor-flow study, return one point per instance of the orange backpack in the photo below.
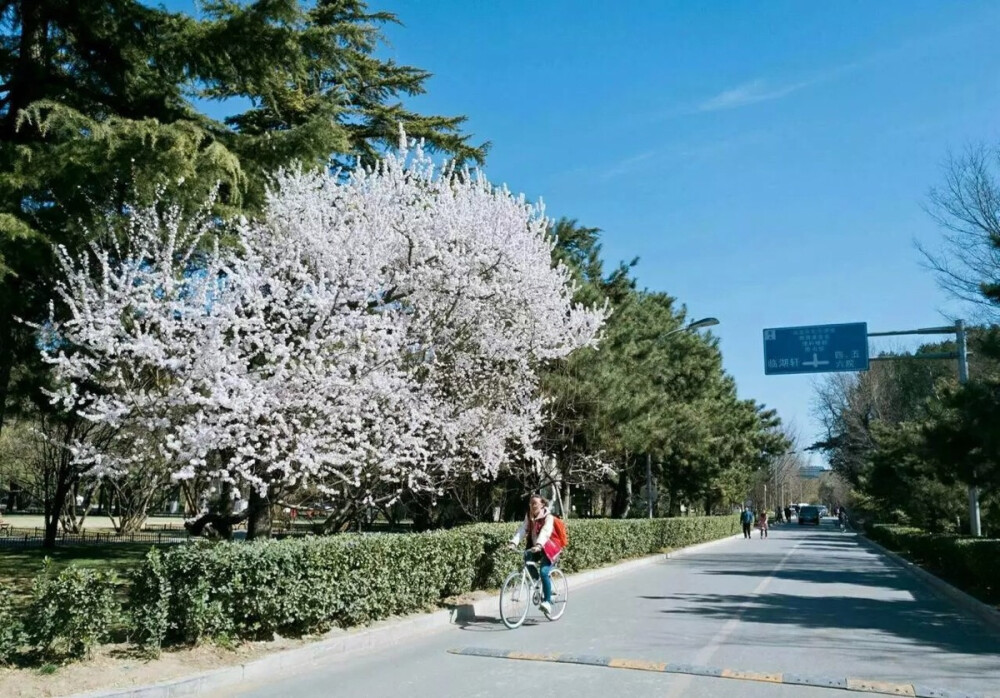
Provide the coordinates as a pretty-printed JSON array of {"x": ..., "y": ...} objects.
[{"x": 559, "y": 531}]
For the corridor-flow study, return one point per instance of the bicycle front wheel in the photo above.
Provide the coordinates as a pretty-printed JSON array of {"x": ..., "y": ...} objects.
[
  {"x": 514, "y": 599},
  {"x": 560, "y": 593}
]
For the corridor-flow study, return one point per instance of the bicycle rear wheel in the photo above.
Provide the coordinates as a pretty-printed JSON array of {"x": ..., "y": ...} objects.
[
  {"x": 514, "y": 599},
  {"x": 560, "y": 593}
]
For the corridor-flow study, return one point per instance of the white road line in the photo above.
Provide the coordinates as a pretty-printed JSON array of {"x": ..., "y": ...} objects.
[{"x": 705, "y": 654}]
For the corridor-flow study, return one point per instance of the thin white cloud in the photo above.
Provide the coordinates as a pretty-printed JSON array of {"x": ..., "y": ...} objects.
[
  {"x": 626, "y": 165},
  {"x": 751, "y": 93}
]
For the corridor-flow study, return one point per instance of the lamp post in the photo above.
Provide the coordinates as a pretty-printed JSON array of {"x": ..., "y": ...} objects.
[
  {"x": 696, "y": 325},
  {"x": 690, "y": 327}
]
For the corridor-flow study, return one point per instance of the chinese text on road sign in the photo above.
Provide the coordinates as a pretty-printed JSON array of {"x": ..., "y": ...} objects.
[{"x": 816, "y": 349}]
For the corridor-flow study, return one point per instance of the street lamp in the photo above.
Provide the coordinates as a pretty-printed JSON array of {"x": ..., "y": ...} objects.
[
  {"x": 696, "y": 325},
  {"x": 690, "y": 327},
  {"x": 704, "y": 322}
]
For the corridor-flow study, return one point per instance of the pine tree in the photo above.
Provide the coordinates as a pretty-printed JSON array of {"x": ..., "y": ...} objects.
[
  {"x": 99, "y": 109},
  {"x": 641, "y": 392}
]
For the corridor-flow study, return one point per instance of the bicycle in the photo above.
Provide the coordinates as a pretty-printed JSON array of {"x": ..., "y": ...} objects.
[{"x": 521, "y": 590}]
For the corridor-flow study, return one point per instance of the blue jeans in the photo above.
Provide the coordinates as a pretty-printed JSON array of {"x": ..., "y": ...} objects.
[{"x": 545, "y": 567}]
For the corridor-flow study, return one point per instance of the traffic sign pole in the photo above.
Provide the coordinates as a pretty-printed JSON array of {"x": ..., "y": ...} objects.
[
  {"x": 793, "y": 350},
  {"x": 975, "y": 525}
]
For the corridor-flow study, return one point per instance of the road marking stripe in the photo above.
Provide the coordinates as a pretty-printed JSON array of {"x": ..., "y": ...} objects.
[
  {"x": 849, "y": 684},
  {"x": 705, "y": 654}
]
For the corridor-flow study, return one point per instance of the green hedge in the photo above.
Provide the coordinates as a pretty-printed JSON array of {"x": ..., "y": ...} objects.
[
  {"x": 969, "y": 563},
  {"x": 221, "y": 591},
  {"x": 72, "y": 611},
  {"x": 292, "y": 587},
  {"x": 10, "y": 627}
]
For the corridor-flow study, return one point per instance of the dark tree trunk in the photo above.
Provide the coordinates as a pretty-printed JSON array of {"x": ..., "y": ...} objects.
[
  {"x": 54, "y": 509},
  {"x": 51, "y": 532},
  {"x": 6, "y": 359},
  {"x": 258, "y": 516},
  {"x": 27, "y": 82},
  {"x": 422, "y": 520},
  {"x": 220, "y": 522},
  {"x": 340, "y": 519},
  {"x": 64, "y": 478},
  {"x": 214, "y": 524},
  {"x": 623, "y": 494}
]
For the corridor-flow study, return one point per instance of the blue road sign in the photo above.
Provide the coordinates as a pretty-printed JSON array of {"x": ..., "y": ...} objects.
[{"x": 816, "y": 349}]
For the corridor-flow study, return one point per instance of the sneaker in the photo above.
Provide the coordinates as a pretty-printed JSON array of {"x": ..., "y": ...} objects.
[{"x": 546, "y": 608}]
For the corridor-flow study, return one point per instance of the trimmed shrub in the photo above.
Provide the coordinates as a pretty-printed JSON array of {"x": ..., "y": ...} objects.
[
  {"x": 292, "y": 587},
  {"x": 892, "y": 536},
  {"x": 149, "y": 603},
  {"x": 10, "y": 628},
  {"x": 295, "y": 586},
  {"x": 72, "y": 611},
  {"x": 969, "y": 563}
]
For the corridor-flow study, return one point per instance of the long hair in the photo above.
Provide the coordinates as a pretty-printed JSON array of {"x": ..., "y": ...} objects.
[{"x": 545, "y": 502}]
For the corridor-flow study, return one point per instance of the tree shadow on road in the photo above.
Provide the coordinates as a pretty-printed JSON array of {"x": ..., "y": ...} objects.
[
  {"x": 827, "y": 559},
  {"x": 883, "y": 578},
  {"x": 488, "y": 624},
  {"x": 919, "y": 621}
]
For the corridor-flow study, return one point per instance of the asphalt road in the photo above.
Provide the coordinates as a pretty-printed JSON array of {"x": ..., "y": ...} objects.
[{"x": 804, "y": 601}]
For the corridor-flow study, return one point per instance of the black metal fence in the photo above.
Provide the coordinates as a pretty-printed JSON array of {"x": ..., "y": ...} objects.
[{"x": 28, "y": 537}]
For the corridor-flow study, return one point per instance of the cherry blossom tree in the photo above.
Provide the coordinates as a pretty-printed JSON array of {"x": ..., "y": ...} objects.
[{"x": 365, "y": 336}]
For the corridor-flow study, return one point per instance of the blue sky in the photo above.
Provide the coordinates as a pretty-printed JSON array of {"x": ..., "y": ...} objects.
[{"x": 767, "y": 162}]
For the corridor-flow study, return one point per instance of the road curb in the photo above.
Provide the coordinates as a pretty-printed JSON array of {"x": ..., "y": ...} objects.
[
  {"x": 970, "y": 604},
  {"x": 378, "y": 636}
]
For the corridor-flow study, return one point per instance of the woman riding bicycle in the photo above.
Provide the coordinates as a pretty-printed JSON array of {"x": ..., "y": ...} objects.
[{"x": 543, "y": 548}]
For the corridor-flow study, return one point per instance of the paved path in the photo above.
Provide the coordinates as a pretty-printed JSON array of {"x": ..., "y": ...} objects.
[{"x": 805, "y": 601}]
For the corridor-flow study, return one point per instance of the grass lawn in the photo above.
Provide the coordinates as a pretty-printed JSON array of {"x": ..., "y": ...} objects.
[
  {"x": 18, "y": 566},
  {"x": 91, "y": 523}
]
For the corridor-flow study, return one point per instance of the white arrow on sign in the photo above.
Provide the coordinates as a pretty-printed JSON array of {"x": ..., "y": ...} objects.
[{"x": 815, "y": 363}]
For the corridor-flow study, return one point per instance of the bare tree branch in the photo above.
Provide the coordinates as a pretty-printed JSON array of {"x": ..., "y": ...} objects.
[{"x": 967, "y": 207}]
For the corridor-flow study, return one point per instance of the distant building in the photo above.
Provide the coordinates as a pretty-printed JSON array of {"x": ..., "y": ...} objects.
[{"x": 813, "y": 471}]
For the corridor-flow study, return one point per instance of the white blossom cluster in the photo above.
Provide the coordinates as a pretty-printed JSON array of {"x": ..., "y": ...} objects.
[{"x": 385, "y": 327}]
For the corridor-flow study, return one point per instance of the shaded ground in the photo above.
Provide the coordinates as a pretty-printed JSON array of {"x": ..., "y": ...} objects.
[{"x": 18, "y": 566}]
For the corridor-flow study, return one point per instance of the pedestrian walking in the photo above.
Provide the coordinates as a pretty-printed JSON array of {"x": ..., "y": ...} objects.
[
  {"x": 762, "y": 524},
  {"x": 746, "y": 518}
]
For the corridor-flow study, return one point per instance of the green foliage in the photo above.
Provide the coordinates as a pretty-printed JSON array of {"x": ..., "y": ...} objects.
[
  {"x": 650, "y": 388},
  {"x": 72, "y": 611},
  {"x": 149, "y": 610},
  {"x": 910, "y": 438},
  {"x": 960, "y": 435},
  {"x": 970, "y": 563},
  {"x": 598, "y": 542},
  {"x": 296, "y": 586},
  {"x": 11, "y": 631},
  {"x": 902, "y": 477},
  {"x": 99, "y": 111},
  {"x": 293, "y": 587}
]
